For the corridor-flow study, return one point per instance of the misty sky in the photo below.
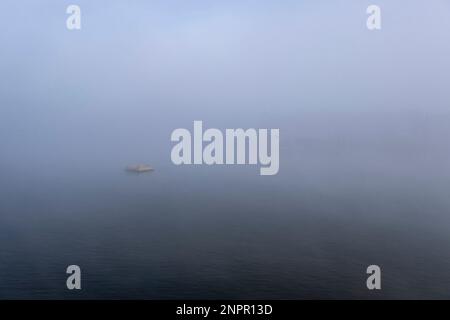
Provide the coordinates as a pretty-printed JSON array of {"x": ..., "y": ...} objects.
[{"x": 114, "y": 91}]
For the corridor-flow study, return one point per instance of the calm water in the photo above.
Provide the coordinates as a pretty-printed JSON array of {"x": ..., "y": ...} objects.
[{"x": 226, "y": 232}]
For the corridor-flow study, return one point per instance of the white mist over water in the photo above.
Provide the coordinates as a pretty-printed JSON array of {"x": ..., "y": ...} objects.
[{"x": 364, "y": 162}]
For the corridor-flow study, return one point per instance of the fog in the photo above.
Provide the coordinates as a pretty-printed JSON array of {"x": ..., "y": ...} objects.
[
  {"x": 364, "y": 121},
  {"x": 113, "y": 91}
]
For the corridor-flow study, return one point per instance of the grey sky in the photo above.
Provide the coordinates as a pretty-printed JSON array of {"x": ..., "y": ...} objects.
[{"x": 139, "y": 69}]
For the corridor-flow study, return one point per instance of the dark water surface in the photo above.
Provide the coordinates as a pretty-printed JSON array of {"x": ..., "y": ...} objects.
[{"x": 226, "y": 232}]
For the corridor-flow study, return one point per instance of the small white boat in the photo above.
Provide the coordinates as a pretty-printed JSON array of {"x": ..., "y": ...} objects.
[{"x": 139, "y": 168}]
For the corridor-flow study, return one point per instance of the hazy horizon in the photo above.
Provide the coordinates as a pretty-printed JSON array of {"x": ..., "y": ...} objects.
[{"x": 364, "y": 150}]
